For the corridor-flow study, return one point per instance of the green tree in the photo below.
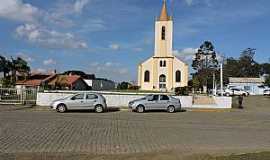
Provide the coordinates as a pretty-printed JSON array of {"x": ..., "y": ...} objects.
[
  {"x": 205, "y": 63},
  {"x": 21, "y": 66},
  {"x": 5, "y": 66},
  {"x": 265, "y": 68},
  {"x": 123, "y": 86},
  {"x": 245, "y": 66},
  {"x": 267, "y": 81},
  {"x": 248, "y": 66}
]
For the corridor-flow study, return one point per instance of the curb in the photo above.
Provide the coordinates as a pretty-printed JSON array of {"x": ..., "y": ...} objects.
[{"x": 208, "y": 110}]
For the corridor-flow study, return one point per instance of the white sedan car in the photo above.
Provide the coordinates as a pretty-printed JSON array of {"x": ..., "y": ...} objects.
[
  {"x": 236, "y": 92},
  {"x": 81, "y": 101}
]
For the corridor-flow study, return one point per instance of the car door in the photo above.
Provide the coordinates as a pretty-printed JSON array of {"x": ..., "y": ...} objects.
[
  {"x": 152, "y": 103},
  {"x": 90, "y": 101},
  {"x": 237, "y": 92},
  {"x": 76, "y": 102},
  {"x": 163, "y": 102}
]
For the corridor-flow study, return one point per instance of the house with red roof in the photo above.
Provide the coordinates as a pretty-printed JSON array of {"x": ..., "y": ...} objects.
[
  {"x": 53, "y": 82},
  {"x": 67, "y": 82},
  {"x": 34, "y": 81}
]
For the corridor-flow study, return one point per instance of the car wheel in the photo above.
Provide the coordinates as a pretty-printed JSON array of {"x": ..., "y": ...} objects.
[
  {"x": 171, "y": 109},
  {"x": 61, "y": 108},
  {"x": 140, "y": 109},
  {"x": 99, "y": 109},
  {"x": 227, "y": 94}
]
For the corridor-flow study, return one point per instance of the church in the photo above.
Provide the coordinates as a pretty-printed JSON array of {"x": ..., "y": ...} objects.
[{"x": 163, "y": 71}]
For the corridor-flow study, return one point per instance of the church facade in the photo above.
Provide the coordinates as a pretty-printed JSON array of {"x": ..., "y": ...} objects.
[{"x": 163, "y": 71}]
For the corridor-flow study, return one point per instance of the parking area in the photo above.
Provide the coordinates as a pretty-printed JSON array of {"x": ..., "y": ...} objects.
[{"x": 123, "y": 132}]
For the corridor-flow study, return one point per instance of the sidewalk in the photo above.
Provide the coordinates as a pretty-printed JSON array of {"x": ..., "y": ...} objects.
[{"x": 14, "y": 107}]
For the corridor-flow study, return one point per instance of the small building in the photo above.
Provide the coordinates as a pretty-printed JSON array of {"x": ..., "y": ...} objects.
[
  {"x": 100, "y": 84},
  {"x": 67, "y": 82},
  {"x": 255, "y": 86}
]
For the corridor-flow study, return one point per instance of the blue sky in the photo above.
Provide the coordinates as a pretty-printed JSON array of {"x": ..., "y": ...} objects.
[{"x": 111, "y": 37}]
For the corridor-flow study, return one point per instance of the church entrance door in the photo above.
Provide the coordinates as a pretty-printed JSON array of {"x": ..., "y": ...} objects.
[{"x": 162, "y": 82}]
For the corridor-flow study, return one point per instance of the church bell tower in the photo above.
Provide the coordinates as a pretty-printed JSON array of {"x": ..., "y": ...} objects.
[{"x": 163, "y": 33}]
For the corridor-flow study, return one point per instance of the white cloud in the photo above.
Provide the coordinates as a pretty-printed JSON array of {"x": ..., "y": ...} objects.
[
  {"x": 49, "y": 62},
  {"x": 49, "y": 38},
  {"x": 186, "y": 54},
  {"x": 26, "y": 57},
  {"x": 138, "y": 49},
  {"x": 93, "y": 25},
  {"x": 18, "y": 11},
  {"x": 79, "y": 5},
  {"x": 110, "y": 70},
  {"x": 189, "y": 2},
  {"x": 114, "y": 46}
]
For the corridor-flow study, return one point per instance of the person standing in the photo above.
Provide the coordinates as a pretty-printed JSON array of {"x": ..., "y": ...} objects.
[{"x": 240, "y": 102}]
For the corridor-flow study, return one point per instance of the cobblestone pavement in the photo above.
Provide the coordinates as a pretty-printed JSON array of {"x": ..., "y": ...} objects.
[{"x": 28, "y": 131}]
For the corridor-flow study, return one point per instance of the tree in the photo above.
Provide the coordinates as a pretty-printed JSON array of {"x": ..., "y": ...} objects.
[
  {"x": 205, "y": 63},
  {"x": 267, "y": 81},
  {"x": 80, "y": 73},
  {"x": 245, "y": 66},
  {"x": 5, "y": 66},
  {"x": 13, "y": 66},
  {"x": 248, "y": 66},
  {"x": 265, "y": 68},
  {"x": 19, "y": 65},
  {"x": 123, "y": 86}
]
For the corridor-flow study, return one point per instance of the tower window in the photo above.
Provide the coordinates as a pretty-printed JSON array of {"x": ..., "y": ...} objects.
[
  {"x": 178, "y": 76},
  {"x": 162, "y": 63},
  {"x": 146, "y": 76},
  {"x": 163, "y": 33}
]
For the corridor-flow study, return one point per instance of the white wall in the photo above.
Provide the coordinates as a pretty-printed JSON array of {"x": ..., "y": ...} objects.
[
  {"x": 113, "y": 100},
  {"x": 122, "y": 99}
]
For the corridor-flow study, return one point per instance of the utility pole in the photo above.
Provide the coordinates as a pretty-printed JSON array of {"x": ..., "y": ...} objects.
[
  {"x": 214, "y": 84},
  {"x": 221, "y": 78}
]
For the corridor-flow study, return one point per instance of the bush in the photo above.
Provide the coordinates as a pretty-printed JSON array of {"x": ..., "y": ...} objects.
[
  {"x": 182, "y": 91},
  {"x": 134, "y": 88}
]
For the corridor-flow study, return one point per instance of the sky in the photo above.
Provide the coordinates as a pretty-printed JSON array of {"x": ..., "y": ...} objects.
[{"x": 111, "y": 37}]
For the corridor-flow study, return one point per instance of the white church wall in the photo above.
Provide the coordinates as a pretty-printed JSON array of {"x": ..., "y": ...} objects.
[
  {"x": 147, "y": 65},
  {"x": 179, "y": 65}
]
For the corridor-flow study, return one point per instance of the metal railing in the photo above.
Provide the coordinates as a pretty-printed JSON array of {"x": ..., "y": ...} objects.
[{"x": 18, "y": 96}]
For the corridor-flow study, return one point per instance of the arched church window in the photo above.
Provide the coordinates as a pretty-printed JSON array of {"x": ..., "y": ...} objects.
[
  {"x": 164, "y": 63},
  {"x": 178, "y": 76},
  {"x": 163, "y": 33},
  {"x": 146, "y": 76},
  {"x": 162, "y": 78}
]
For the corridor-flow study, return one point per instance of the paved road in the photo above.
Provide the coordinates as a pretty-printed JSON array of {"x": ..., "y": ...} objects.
[{"x": 126, "y": 132}]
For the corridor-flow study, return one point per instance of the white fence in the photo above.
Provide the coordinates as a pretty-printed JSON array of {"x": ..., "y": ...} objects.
[
  {"x": 18, "y": 96},
  {"x": 116, "y": 99}
]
